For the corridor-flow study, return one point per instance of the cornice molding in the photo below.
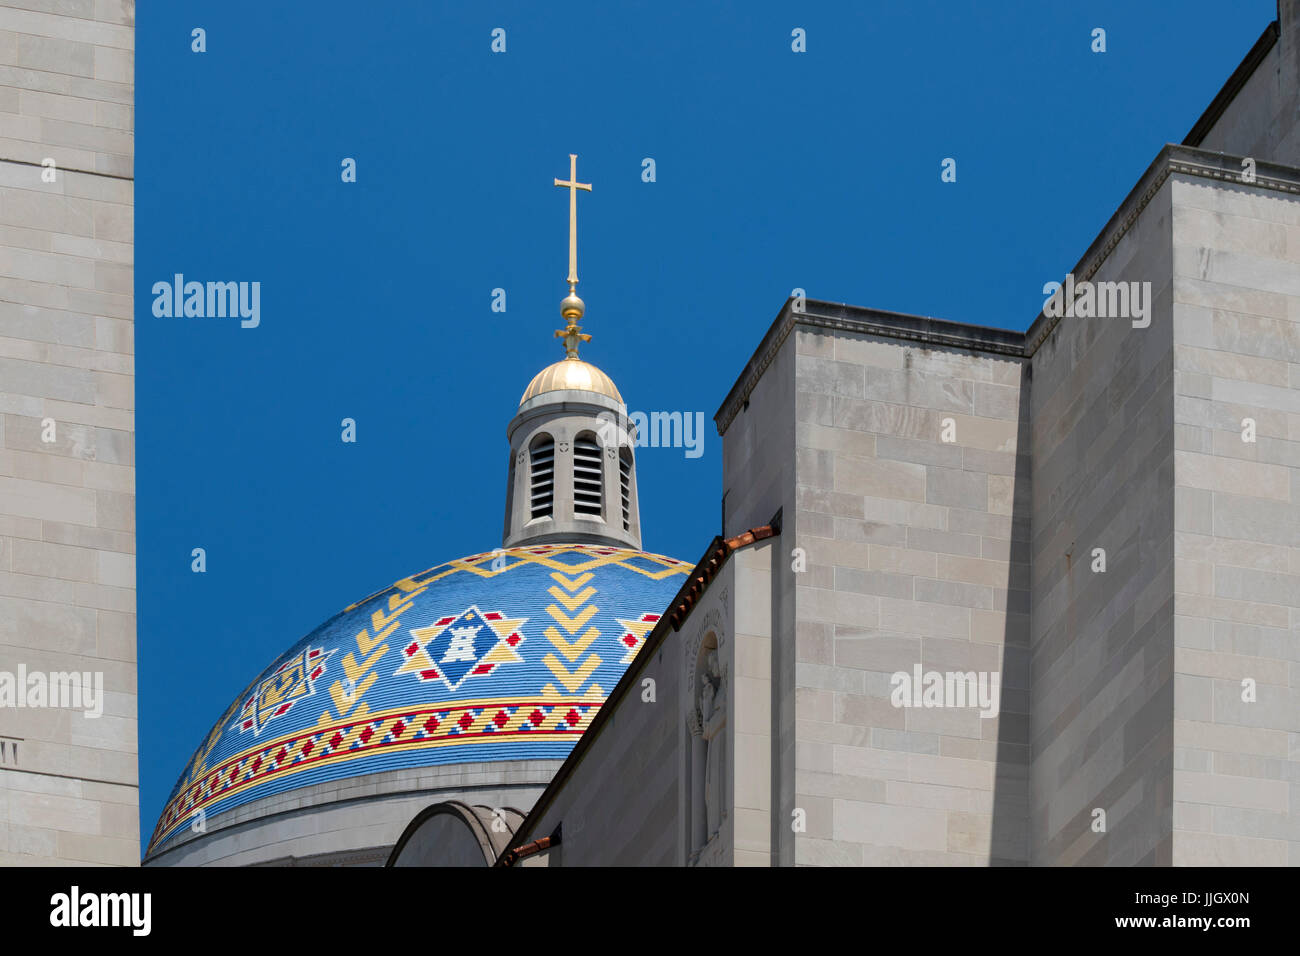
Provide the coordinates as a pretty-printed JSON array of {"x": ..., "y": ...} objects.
[{"x": 1172, "y": 160}]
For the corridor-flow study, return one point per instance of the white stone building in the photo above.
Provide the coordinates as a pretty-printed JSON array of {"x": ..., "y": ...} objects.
[
  {"x": 981, "y": 597},
  {"x": 68, "y": 782},
  {"x": 947, "y": 491}
]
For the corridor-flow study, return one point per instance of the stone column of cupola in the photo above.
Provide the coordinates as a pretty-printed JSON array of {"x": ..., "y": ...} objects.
[{"x": 564, "y": 415}]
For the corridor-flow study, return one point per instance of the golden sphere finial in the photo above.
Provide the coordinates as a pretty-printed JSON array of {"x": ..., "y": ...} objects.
[{"x": 572, "y": 307}]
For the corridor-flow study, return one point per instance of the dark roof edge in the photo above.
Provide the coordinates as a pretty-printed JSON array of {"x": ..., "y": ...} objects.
[
  {"x": 1245, "y": 69},
  {"x": 1186, "y": 157},
  {"x": 705, "y": 570},
  {"x": 1171, "y": 160},
  {"x": 942, "y": 333},
  {"x": 1116, "y": 227}
]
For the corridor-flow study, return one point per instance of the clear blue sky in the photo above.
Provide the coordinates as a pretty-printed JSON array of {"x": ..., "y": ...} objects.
[{"x": 774, "y": 170}]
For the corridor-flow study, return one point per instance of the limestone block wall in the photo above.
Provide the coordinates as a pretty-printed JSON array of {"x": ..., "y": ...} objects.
[
  {"x": 1102, "y": 642},
  {"x": 758, "y": 478},
  {"x": 68, "y": 783},
  {"x": 917, "y": 554},
  {"x": 750, "y": 707},
  {"x": 67, "y": 84},
  {"x": 1236, "y": 356}
]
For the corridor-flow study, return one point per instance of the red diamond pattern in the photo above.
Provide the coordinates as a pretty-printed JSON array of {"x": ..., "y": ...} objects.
[{"x": 430, "y": 726}]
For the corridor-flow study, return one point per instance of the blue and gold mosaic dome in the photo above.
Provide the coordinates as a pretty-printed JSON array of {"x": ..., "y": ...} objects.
[{"x": 505, "y": 655}]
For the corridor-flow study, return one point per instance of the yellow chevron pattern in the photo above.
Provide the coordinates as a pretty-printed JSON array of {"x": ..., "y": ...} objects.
[
  {"x": 571, "y": 649},
  {"x": 653, "y": 566}
]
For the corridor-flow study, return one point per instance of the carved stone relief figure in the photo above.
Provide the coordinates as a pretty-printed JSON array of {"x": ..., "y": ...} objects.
[
  {"x": 713, "y": 719},
  {"x": 705, "y": 716}
]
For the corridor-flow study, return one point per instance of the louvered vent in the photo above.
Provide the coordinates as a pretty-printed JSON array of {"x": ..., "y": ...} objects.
[
  {"x": 588, "y": 476},
  {"x": 625, "y": 484},
  {"x": 542, "y": 472}
]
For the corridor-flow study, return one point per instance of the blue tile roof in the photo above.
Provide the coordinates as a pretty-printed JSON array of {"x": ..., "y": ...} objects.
[{"x": 504, "y": 655}]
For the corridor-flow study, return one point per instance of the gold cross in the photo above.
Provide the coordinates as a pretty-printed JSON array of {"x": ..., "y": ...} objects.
[{"x": 573, "y": 186}]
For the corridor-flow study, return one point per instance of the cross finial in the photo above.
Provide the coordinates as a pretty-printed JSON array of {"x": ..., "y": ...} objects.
[
  {"x": 572, "y": 307},
  {"x": 573, "y": 186}
]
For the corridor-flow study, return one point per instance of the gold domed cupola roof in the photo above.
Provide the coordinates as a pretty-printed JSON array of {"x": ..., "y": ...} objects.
[{"x": 571, "y": 373}]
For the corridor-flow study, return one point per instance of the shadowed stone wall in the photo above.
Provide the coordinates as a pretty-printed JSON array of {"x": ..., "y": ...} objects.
[{"x": 1102, "y": 642}]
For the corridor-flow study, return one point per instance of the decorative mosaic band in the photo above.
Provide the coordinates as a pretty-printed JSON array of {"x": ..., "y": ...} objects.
[{"x": 436, "y": 725}]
